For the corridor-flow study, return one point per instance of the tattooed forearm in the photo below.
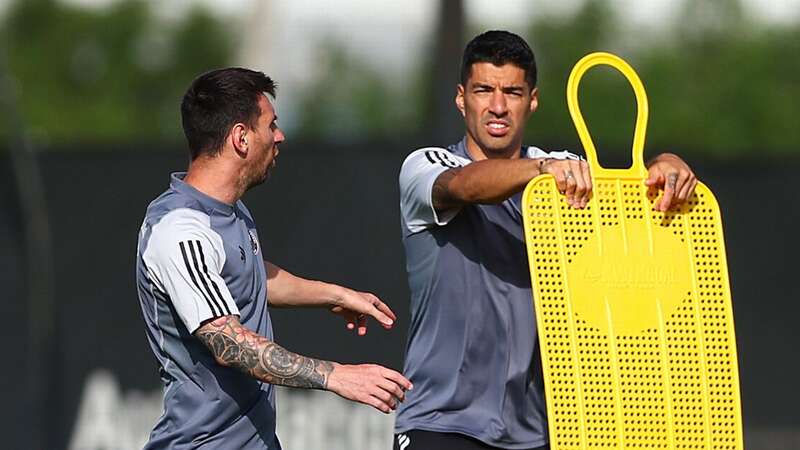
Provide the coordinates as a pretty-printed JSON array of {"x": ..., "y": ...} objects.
[{"x": 233, "y": 345}]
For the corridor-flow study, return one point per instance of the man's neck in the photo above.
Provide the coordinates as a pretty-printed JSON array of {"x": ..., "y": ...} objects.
[
  {"x": 477, "y": 153},
  {"x": 214, "y": 180}
]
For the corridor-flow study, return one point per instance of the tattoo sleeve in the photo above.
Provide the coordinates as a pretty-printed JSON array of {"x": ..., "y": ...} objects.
[
  {"x": 440, "y": 193},
  {"x": 233, "y": 345}
]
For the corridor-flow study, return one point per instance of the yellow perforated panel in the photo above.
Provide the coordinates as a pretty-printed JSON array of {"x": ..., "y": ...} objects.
[{"x": 633, "y": 308}]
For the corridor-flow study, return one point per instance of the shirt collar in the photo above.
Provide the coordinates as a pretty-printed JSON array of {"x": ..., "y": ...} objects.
[
  {"x": 179, "y": 185},
  {"x": 460, "y": 149}
]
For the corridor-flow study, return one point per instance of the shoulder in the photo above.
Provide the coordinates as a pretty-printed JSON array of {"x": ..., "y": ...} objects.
[
  {"x": 184, "y": 218},
  {"x": 433, "y": 156},
  {"x": 173, "y": 206},
  {"x": 168, "y": 226}
]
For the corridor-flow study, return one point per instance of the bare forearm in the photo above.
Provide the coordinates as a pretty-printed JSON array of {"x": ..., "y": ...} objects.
[
  {"x": 487, "y": 181},
  {"x": 285, "y": 289},
  {"x": 235, "y": 346}
]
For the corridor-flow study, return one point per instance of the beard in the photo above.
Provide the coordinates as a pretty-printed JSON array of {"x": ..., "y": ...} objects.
[
  {"x": 258, "y": 175},
  {"x": 258, "y": 178},
  {"x": 498, "y": 146}
]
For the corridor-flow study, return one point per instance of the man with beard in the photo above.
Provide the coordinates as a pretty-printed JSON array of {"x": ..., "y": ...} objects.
[
  {"x": 202, "y": 284},
  {"x": 472, "y": 349}
]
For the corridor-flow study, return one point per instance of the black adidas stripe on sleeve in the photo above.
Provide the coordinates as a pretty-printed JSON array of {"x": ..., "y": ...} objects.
[
  {"x": 448, "y": 160},
  {"x": 436, "y": 157},
  {"x": 194, "y": 273},
  {"x": 205, "y": 271}
]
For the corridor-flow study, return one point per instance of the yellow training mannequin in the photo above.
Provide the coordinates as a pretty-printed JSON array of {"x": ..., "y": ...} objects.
[{"x": 633, "y": 306}]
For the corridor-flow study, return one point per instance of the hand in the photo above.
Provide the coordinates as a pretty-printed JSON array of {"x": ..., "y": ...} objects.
[
  {"x": 355, "y": 306},
  {"x": 572, "y": 178},
  {"x": 369, "y": 384},
  {"x": 669, "y": 172}
]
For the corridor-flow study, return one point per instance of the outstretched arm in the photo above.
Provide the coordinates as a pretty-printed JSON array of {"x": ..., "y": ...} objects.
[
  {"x": 494, "y": 180},
  {"x": 235, "y": 346},
  {"x": 285, "y": 289}
]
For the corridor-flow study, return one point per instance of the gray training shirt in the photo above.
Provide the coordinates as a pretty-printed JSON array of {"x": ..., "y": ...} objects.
[
  {"x": 472, "y": 349},
  {"x": 197, "y": 259}
]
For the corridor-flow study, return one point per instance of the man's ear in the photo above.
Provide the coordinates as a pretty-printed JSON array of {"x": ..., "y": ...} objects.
[
  {"x": 238, "y": 139},
  {"x": 460, "y": 99},
  {"x": 534, "y": 99}
]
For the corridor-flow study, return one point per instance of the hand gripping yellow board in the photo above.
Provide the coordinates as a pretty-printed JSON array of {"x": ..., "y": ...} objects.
[{"x": 633, "y": 306}]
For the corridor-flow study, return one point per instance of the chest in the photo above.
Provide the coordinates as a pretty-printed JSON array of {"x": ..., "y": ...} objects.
[{"x": 243, "y": 271}]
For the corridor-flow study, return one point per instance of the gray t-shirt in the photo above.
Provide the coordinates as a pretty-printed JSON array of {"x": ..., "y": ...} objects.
[
  {"x": 197, "y": 259},
  {"x": 472, "y": 350}
]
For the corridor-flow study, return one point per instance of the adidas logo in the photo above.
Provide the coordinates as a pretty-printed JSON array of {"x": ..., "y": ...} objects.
[{"x": 403, "y": 441}]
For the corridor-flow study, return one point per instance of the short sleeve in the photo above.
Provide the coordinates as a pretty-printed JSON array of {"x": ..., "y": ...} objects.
[
  {"x": 184, "y": 257},
  {"x": 417, "y": 175},
  {"x": 536, "y": 152}
]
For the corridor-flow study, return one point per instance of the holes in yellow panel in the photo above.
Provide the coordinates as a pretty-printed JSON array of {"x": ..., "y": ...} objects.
[{"x": 675, "y": 383}]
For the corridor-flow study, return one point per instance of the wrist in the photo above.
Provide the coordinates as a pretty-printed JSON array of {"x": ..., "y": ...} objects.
[
  {"x": 541, "y": 165},
  {"x": 336, "y": 295},
  {"x": 332, "y": 380}
]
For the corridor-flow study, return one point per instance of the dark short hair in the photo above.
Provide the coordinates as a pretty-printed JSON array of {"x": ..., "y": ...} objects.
[
  {"x": 499, "y": 48},
  {"x": 216, "y": 101}
]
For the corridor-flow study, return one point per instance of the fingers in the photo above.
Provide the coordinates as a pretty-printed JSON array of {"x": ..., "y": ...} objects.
[
  {"x": 655, "y": 178},
  {"x": 398, "y": 379},
  {"x": 372, "y": 306},
  {"x": 556, "y": 168},
  {"x": 678, "y": 188},
  {"x": 356, "y": 322},
  {"x": 380, "y": 311},
  {"x": 382, "y": 307},
  {"x": 587, "y": 178},
  {"x": 573, "y": 179},
  {"x": 686, "y": 187},
  {"x": 356, "y": 307},
  {"x": 692, "y": 188},
  {"x": 676, "y": 178},
  {"x": 393, "y": 386},
  {"x": 362, "y": 324},
  {"x": 349, "y": 317},
  {"x": 572, "y": 185},
  {"x": 669, "y": 191},
  {"x": 378, "y": 403},
  {"x": 370, "y": 384},
  {"x": 393, "y": 389}
]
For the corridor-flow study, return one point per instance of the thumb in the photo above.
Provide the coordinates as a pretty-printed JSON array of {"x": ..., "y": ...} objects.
[{"x": 655, "y": 178}]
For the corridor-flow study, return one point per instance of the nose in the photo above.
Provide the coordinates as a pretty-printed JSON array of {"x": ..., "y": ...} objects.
[
  {"x": 279, "y": 136},
  {"x": 497, "y": 104}
]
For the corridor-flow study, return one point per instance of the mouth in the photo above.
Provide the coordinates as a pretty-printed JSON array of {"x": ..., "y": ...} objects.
[
  {"x": 275, "y": 158},
  {"x": 498, "y": 128}
]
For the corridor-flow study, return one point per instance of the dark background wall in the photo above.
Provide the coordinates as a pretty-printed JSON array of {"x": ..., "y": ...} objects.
[{"x": 332, "y": 214}]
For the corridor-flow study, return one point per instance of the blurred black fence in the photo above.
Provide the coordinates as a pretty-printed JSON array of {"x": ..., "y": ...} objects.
[{"x": 330, "y": 213}]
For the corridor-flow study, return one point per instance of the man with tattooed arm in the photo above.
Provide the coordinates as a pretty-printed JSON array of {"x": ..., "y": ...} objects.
[{"x": 204, "y": 286}]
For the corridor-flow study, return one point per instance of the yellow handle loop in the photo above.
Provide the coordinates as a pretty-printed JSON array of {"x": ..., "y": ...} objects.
[{"x": 637, "y": 168}]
